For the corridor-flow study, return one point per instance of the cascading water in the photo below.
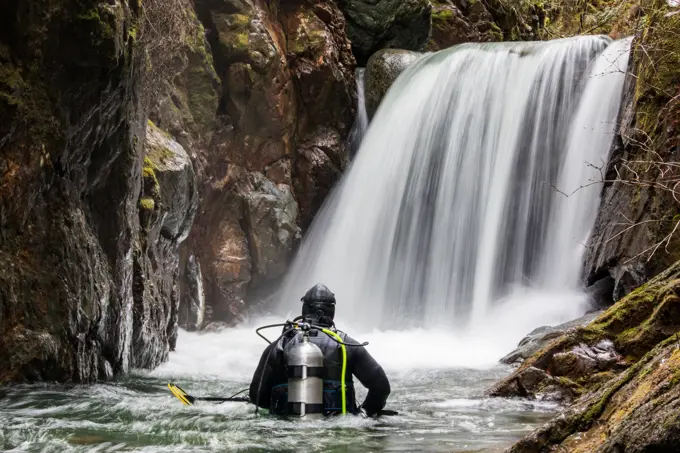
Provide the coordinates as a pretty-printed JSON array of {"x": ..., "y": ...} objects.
[
  {"x": 449, "y": 206},
  {"x": 360, "y": 125}
]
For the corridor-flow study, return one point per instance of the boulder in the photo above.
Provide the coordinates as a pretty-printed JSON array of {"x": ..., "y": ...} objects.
[
  {"x": 377, "y": 24},
  {"x": 382, "y": 70},
  {"x": 586, "y": 357},
  {"x": 175, "y": 175},
  {"x": 541, "y": 336},
  {"x": 583, "y": 360}
]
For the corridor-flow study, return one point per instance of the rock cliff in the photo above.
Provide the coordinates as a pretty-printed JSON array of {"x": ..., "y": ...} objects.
[
  {"x": 281, "y": 110},
  {"x": 72, "y": 250}
]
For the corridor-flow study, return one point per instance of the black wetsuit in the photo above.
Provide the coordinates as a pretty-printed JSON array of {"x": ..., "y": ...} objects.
[{"x": 360, "y": 364}]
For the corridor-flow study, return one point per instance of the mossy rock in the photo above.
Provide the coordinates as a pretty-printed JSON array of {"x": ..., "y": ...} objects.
[{"x": 636, "y": 324}]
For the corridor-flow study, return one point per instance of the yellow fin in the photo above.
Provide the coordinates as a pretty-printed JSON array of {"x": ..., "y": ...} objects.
[{"x": 179, "y": 394}]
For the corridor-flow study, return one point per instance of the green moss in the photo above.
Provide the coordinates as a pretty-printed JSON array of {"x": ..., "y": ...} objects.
[
  {"x": 147, "y": 203},
  {"x": 91, "y": 15},
  {"x": 240, "y": 20},
  {"x": 596, "y": 409},
  {"x": 442, "y": 15},
  {"x": 657, "y": 58},
  {"x": 98, "y": 23},
  {"x": 628, "y": 313},
  {"x": 675, "y": 379},
  {"x": 202, "y": 98},
  {"x": 11, "y": 84},
  {"x": 151, "y": 185},
  {"x": 496, "y": 32},
  {"x": 241, "y": 41},
  {"x": 574, "y": 387}
]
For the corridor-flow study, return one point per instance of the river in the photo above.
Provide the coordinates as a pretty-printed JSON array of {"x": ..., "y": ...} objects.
[{"x": 440, "y": 400}]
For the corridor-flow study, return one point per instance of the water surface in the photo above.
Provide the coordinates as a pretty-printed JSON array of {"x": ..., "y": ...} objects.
[{"x": 442, "y": 408}]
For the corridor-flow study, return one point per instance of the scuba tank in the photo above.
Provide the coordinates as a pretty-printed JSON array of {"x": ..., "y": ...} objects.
[{"x": 304, "y": 362}]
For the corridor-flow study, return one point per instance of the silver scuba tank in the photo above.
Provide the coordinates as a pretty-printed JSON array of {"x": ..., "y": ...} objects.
[{"x": 304, "y": 362}]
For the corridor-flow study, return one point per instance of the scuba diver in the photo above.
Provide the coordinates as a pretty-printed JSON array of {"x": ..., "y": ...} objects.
[{"x": 315, "y": 353}]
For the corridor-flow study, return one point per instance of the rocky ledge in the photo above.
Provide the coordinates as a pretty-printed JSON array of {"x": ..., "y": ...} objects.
[{"x": 620, "y": 373}]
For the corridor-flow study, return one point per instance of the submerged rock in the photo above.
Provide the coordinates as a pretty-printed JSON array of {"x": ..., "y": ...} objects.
[
  {"x": 541, "y": 336},
  {"x": 382, "y": 70},
  {"x": 374, "y": 25}
]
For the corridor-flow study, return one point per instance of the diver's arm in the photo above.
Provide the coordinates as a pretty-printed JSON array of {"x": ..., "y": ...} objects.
[
  {"x": 372, "y": 376},
  {"x": 265, "y": 373}
]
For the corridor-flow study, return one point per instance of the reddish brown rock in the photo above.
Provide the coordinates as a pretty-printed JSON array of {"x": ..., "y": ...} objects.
[
  {"x": 319, "y": 163},
  {"x": 286, "y": 100},
  {"x": 322, "y": 66}
]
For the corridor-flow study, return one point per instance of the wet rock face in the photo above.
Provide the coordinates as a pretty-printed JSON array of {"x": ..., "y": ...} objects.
[
  {"x": 192, "y": 313},
  {"x": 585, "y": 355},
  {"x": 620, "y": 372},
  {"x": 541, "y": 336},
  {"x": 320, "y": 162},
  {"x": 71, "y": 139},
  {"x": 374, "y": 25},
  {"x": 631, "y": 239},
  {"x": 382, "y": 70},
  {"x": 271, "y": 213},
  {"x": 287, "y": 85},
  {"x": 167, "y": 208},
  {"x": 634, "y": 412}
]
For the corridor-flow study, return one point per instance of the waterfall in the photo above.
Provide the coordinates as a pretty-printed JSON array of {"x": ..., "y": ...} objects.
[
  {"x": 590, "y": 137},
  {"x": 452, "y": 203},
  {"x": 360, "y": 125}
]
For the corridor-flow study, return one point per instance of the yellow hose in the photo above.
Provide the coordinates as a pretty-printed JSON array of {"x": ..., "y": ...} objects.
[{"x": 344, "y": 368}]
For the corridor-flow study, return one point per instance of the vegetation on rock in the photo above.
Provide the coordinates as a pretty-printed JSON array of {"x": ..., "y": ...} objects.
[{"x": 636, "y": 233}]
